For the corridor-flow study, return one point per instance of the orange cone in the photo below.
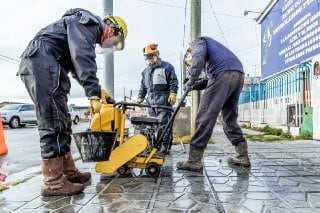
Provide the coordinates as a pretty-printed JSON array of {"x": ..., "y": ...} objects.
[{"x": 3, "y": 147}]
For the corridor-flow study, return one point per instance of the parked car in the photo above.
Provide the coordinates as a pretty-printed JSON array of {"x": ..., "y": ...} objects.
[
  {"x": 18, "y": 115},
  {"x": 74, "y": 114}
]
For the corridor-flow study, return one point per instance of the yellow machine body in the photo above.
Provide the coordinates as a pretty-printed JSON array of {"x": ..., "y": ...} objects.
[
  {"x": 109, "y": 119},
  {"x": 122, "y": 154},
  {"x": 127, "y": 151}
]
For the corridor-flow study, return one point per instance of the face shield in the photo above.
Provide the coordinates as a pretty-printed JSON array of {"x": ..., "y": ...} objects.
[{"x": 111, "y": 38}]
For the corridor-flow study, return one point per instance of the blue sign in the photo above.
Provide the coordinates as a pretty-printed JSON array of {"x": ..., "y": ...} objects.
[{"x": 290, "y": 34}]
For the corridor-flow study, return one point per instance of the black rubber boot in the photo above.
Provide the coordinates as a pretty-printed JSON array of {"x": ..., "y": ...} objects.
[
  {"x": 241, "y": 157},
  {"x": 194, "y": 162}
]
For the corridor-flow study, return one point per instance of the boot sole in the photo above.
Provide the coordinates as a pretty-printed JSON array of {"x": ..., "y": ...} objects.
[
  {"x": 78, "y": 180},
  {"x": 190, "y": 169},
  {"x": 48, "y": 192},
  {"x": 239, "y": 164}
]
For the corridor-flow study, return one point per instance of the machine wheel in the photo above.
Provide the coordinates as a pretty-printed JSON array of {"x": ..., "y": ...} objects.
[
  {"x": 153, "y": 170},
  {"x": 123, "y": 170}
]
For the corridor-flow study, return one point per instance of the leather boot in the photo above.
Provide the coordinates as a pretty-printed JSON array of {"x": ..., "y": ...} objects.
[
  {"x": 194, "y": 161},
  {"x": 54, "y": 182},
  {"x": 241, "y": 157},
  {"x": 71, "y": 172}
]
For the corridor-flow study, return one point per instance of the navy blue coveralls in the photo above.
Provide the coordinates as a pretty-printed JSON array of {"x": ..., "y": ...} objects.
[
  {"x": 226, "y": 76},
  {"x": 158, "y": 83},
  {"x": 67, "y": 45}
]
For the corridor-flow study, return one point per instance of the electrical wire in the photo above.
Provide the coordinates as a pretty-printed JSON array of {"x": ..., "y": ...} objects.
[
  {"x": 179, "y": 7},
  {"x": 218, "y": 23},
  {"x": 9, "y": 59}
]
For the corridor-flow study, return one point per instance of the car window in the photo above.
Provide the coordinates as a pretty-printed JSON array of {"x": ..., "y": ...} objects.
[
  {"x": 10, "y": 107},
  {"x": 23, "y": 108},
  {"x": 29, "y": 107}
]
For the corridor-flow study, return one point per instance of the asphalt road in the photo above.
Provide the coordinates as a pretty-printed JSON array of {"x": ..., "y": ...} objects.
[{"x": 24, "y": 148}]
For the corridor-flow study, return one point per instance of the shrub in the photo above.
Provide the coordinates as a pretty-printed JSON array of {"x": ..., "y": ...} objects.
[
  {"x": 303, "y": 136},
  {"x": 286, "y": 135}
]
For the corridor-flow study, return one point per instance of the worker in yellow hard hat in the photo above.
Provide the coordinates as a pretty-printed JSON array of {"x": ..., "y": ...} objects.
[
  {"x": 114, "y": 33},
  {"x": 160, "y": 84},
  {"x": 66, "y": 46}
]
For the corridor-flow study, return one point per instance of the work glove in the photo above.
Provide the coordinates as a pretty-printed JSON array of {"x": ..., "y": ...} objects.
[
  {"x": 139, "y": 100},
  {"x": 105, "y": 96},
  {"x": 95, "y": 104},
  {"x": 200, "y": 84},
  {"x": 189, "y": 85},
  {"x": 172, "y": 98}
]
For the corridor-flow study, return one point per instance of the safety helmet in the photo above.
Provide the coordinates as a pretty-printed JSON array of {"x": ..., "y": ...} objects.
[
  {"x": 151, "y": 54},
  {"x": 114, "y": 33},
  {"x": 118, "y": 23},
  {"x": 150, "y": 49}
]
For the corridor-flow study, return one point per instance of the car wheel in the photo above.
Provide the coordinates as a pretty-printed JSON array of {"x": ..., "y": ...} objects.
[
  {"x": 76, "y": 120},
  {"x": 14, "y": 123}
]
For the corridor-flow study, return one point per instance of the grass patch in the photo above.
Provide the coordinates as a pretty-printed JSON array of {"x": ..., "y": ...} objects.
[
  {"x": 7, "y": 185},
  {"x": 263, "y": 137},
  {"x": 3, "y": 187},
  {"x": 269, "y": 134},
  {"x": 305, "y": 136},
  {"x": 21, "y": 181},
  {"x": 181, "y": 139},
  {"x": 185, "y": 139}
]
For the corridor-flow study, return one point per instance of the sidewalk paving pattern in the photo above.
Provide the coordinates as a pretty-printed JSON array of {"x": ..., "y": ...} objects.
[{"x": 284, "y": 177}]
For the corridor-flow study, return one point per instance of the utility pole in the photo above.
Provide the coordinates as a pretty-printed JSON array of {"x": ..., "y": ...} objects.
[
  {"x": 183, "y": 72},
  {"x": 195, "y": 24},
  {"x": 108, "y": 55}
]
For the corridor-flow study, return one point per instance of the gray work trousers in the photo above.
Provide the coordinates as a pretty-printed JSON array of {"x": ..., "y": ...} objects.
[{"x": 221, "y": 95}]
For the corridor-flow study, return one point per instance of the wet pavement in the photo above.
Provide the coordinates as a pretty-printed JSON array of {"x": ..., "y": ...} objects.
[{"x": 284, "y": 177}]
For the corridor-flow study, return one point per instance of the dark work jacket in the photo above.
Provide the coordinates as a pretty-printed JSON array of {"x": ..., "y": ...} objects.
[
  {"x": 71, "y": 40},
  {"x": 213, "y": 57},
  {"x": 158, "y": 83}
]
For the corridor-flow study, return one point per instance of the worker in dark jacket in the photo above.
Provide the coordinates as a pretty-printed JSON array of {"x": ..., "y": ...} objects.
[
  {"x": 160, "y": 83},
  {"x": 63, "y": 47},
  {"x": 225, "y": 81}
]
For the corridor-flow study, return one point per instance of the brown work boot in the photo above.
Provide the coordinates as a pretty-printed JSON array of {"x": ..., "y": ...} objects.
[
  {"x": 194, "y": 161},
  {"x": 241, "y": 157},
  {"x": 71, "y": 172},
  {"x": 54, "y": 183}
]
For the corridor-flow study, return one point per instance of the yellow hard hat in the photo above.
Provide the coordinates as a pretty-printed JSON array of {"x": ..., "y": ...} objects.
[
  {"x": 118, "y": 23},
  {"x": 150, "y": 49}
]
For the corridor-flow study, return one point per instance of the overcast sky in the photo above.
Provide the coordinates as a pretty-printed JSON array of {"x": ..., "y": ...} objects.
[{"x": 149, "y": 21}]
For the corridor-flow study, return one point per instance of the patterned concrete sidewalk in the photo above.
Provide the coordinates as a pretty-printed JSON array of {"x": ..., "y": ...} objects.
[{"x": 284, "y": 177}]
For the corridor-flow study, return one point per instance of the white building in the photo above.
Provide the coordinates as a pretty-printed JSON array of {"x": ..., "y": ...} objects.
[{"x": 287, "y": 95}]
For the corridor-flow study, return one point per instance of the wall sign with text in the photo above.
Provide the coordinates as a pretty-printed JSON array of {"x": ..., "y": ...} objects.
[{"x": 290, "y": 34}]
